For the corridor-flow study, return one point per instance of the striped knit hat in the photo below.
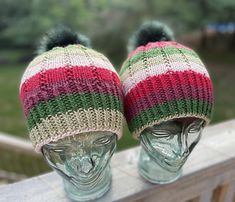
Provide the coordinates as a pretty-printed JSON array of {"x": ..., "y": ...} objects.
[
  {"x": 163, "y": 80},
  {"x": 70, "y": 89}
]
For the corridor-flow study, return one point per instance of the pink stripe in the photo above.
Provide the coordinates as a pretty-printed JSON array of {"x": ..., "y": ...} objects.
[
  {"x": 160, "y": 44},
  {"x": 37, "y": 95},
  {"x": 170, "y": 78},
  {"x": 165, "y": 88},
  {"x": 66, "y": 73}
]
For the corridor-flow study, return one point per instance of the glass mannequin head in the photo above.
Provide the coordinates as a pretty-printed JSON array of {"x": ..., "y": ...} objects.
[
  {"x": 70, "y": 87},
  {"x": 162, "y": 80},
  {"x": 166, "y": 147},
  {"x": 170, "y": 143},
  {"x": 83, "y": 163}
]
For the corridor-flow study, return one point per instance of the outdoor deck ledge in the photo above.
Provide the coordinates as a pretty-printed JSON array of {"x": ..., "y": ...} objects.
[{"x": 209, "y": 170}]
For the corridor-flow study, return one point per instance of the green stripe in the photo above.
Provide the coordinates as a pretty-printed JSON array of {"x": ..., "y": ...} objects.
[
  {"x": 153, "y": 53},
  {"x": 72, "y": 102},
  {"x": 176, "y": 107}
]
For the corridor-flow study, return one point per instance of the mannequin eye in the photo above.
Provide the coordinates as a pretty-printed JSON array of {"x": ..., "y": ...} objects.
[
  {"x": 161, "y": 133},
  {"x": 194, "y": 129},
  {"x": 58, "y": 150},
  {"x": 102, "y": 141},
  {"x": 196, "y": 126}
]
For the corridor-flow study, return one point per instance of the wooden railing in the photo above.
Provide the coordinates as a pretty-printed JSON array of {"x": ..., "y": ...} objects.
[
  {"x": 18, "y": 159},
  {"x": 208, "y": 176}
]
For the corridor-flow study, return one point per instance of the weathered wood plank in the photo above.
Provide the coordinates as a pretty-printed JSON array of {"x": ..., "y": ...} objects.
[
  {"x": 206, "y": 196},
  {"x": 16, "y": 144},
  {"x": 211, "y": 165},
  {"x": 220, "y": 193},
  {"x": 230, "y": 192},
  {"x": 197, "y": 199},
  {"x": 10, "y": 176}
]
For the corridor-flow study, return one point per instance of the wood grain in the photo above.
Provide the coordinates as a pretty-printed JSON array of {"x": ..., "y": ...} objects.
[
  {"x": 220, "y": 193},
  {"x": 16, "y": 144}
]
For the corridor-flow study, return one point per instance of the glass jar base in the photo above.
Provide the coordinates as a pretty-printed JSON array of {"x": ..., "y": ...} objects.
[{"x": 159, "y": 179}]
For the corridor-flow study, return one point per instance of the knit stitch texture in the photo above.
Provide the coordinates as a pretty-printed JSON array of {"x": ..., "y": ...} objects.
[
  {"x": 70, "y": 90},
  {"x": 162, "y": 81}
]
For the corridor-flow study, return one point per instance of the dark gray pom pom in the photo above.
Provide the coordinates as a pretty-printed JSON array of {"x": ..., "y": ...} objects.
[
  {"x": 150, "y": 32},
  {"x": 61, "y": 37}
]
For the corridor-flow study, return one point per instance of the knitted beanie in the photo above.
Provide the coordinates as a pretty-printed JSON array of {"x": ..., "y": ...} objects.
[
  {"x": 163, "y": 80},
  {"x": 70, "y": 89}
]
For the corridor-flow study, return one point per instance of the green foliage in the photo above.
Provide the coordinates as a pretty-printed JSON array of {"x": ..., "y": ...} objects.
[
  {"x": 11, "y": 116},
  {"x": 26, "y": 27},
  {"x": 23, "y": 23}
]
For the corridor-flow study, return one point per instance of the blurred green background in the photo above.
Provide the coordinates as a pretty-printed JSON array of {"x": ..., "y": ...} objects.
[{"x": 205, "y": 25}]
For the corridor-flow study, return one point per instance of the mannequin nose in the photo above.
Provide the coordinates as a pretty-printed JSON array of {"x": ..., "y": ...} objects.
[
  {"x": 83, "y": 164},
  {"x": 183, "y": 144},
  {"x": 86, "y": 164}
]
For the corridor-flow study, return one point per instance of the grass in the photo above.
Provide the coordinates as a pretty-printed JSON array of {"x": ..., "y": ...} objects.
[
  {"x": 11, "y": 117},
  {"x": 220, "y": 65}
]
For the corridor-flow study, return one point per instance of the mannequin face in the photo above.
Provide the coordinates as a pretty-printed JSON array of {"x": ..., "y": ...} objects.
[
  {"x": 170, "y": 143},
  {"x": 81, "y": 159}
]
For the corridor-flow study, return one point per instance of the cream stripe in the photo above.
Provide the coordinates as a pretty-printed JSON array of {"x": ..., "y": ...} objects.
[
  {"x": 141, "y": 75},
  {"x": 60, "y": 56},
  {"x": 61, "y": 61},
  {"x": 158, "y": 60},
  {"x": 57, "y": 51},
  {"x": 71, "y": 123}
]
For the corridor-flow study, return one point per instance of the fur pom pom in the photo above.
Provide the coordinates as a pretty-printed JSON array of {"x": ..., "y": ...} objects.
[
  {"x": 61, "y": 37},
  {"x": 152, "y": 31}
]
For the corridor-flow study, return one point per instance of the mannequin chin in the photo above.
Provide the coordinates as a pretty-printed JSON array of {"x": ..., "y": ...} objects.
[
  {"x": 166, "y": 147},
  {"x": 83, "y": 163}
]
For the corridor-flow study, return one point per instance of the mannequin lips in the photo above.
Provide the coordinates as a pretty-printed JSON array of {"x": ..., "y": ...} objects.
[
  {"x": 172, "y": 163},
  {"x": 175, "y": 164},
  {"x": 84, "y": 165},
  {"x": 84, "y": 169}
]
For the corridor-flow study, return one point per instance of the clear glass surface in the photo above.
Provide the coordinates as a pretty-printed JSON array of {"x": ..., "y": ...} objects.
[
  {"x": 166, "y": 147},
  {"x": 83, "y": 163}
]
